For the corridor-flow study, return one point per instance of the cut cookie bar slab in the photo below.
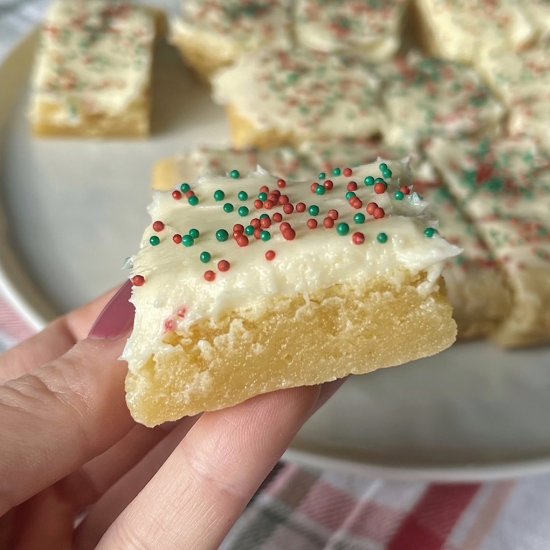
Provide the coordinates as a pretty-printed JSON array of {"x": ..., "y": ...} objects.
[
  {"x": 92, "y": 72},
  {"x": 367, "y": 28},
  {"x": 212, "y": 34},
  {"x": 281, "y": 97},
  {"x": 504, "y": 186},
  {"x": 235, "y": 298}
]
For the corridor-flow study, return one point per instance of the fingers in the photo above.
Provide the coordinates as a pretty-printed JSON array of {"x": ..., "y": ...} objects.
[
  {"x": 205, "y": 484},
  {"x": 59, "y": 417}
]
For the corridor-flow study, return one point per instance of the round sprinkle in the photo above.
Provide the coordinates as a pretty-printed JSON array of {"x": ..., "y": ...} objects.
[
  {"x": 347, "y": 172},
  {"x": 238, "y": 228},
  {"x": 268, "y": 204},
  {"x": 359, "y": 218},
  {"x": 193, "y": 201},
  {"x": 222, "y": 235},
  {"x": 224, "y": 265},
  {"x": 333, "y": 214},
  {"x": 336, "y": 171},
  {"x": 312, "y": 223},
  {"x": 270, "y": 255},
  {"x": 387, "y": 174},
  {"x": 209, "y": 275},
  {"x": 194, "y": 233},
  {"x": 371, "y": 207},
  {"x": 281, "y": 183},
  {"x": 154, "y": 240},
  {"x": 265, "y": 236},
  {"x": 138, "y": 280},
  {"x": 405, "y": 189},
  {"x": 242, "y": 240},
  {"x": 235, "y": 174},
  {"x": 257, "y": 233},
  {"x": 255, "y": 223},
  {"x": 314, "y": 187},
  {"x": 228, "y": 207},
  {"x": 219, "y": 195},
  {"x": 185, "y": 187},
  {"x": 249, "y": 230},
  {"x": 322, "y": 175},
  {"x": 205, "y": 257},
  {"x": 243, "y": 196},
  {"x": 289, "y": 234},
  {"x": 313, "y": 210},
  {"x": 277, "y": 217},
  {"x": 265, "y": 223},
  {"x": 243, "y": 211},
  {"x": 342, "y": 228},
  {"x": 430, "y": 232},
  {"x": 328, "y": 222},
  {"x": 189, "y": 193},
  {"x": 380, "y": 187},
  {"x": 378, "y": 213},
  {"x": 383, "y": 167},
  {"x": 177, "y": 238},
  {"x": 350, "y": 195},
  {"x": 176, "y": 195},
  {"x": 158, "y": 226},
  {"x": 187, "y": 240},
  {"x": 358, "y": 238},
  {"x": 264, "y": 216},
  {"x": 328, "y": 185},
  {"x": 288, "y": 208},
  {"x": 262, "y": 196},
  {"x": 258, "y": 204},
  {"x": 264, "y": 189},
  {"x": 399, "y": 195},
  {"x": 300, "y": 207},
  {"x": 321, "y": 190},
  {"x": 369, "y": 180},
  {"x": 382, "y": 238},
  {"x": 356, "y": 203},
  {"x": 352, "y": 186}
]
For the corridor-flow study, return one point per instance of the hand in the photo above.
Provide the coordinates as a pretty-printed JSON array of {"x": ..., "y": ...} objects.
[{"x": 76, "y": 471}]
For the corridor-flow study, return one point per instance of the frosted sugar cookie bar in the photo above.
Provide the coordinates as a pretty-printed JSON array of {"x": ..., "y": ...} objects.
[
  {"x": 245, "y": 285},
  {"x": 212, "y": 34},
  {"x": 92, "y": 71},
  {"x": 283, "y": 97},
  {"x": 367, "y": 28}
]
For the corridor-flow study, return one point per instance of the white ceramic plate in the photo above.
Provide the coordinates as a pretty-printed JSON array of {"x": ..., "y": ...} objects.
[{"x": 74, "y": 210}]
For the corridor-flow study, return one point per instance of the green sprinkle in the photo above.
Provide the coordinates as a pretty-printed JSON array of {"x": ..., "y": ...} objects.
[
  {"x": 383, "y": 167},
  {"x": 387, "y": 174},
  {"x": 185, "y": 187},
  {"x": 350, "y": 195},
  {"x": 379, "y": 180},
  {"x": 343, "y": 229},
  {"x": 219, "y": 195},
  {"x": 265, "y": 235},
  {"x": 194, "y": 200},
  {"x": 205, "y": 257},
  {"x": 313, "y": 210},
  {"x": 399, "y": 195},
  {"x": 243, "y": 195},
  {"x": 235, "y": 174},
  {"x": 262, "y": 196},
  {"x": 322, "y": 175},
  {"x": 222, "y": 235},
  {"x": 369, "y": 180},
  {"x": 320, "y": 190},
  {"x": 382, "y": 238},
  {"x": 430, "y": 232},
  {"x": 243, "y": 211},
  {"x": 188, "y": 240},
  {"x": 359, "y": 218},
  {"x": 194, "y": 233},
  {"x": 249, "y": 230},
  {"x": 228, "y": 207},
  {"x": 337, "y": 171},
  {"x": 264, "y": 216},
  {"x": 154, "y": 240}
]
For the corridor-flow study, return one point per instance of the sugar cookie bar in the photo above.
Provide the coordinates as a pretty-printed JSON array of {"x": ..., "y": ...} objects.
[
  {"x": 212, "y": 34},
  {"x": 504, "y": 187},
  {"x": 245, "y": 285},
  {"x": 366, "y": 28},
  {"x": 283, "y": 97},
  {"x": 92, "y": 72},
  {"x": 425, "y": 97}
]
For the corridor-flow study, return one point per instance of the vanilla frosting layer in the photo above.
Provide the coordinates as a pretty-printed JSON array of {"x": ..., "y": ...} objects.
[
  {"x": 173, "y": 289},
  {"x": 303, "y": 93},
  {"x": 94, "y": 57}
]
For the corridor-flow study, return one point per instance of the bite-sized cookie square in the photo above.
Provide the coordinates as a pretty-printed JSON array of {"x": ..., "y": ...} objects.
[
  {"x": 284, "y": 97},
  {"x": 92, "y": 74},
  {"x": 367, "y": 28},
  {"x": 426, "y": 97},
  {"x": 212, "y": 34}
]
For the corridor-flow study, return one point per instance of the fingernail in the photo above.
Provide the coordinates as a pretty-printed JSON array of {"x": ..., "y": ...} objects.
[{"x": 117, "y": 318}]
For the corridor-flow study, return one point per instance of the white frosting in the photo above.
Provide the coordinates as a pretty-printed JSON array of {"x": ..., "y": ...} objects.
[
  {"x": 316, "y": 259},
  {"x": 94, "y": 56},
  {"x": 300, "y": 92}
]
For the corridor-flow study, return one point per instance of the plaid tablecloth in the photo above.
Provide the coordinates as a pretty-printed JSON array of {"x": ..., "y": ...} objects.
[{"x": 307, "y": 509}]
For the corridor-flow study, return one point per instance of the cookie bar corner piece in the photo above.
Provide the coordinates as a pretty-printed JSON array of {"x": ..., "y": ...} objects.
[{"x": 93, "y": 69}]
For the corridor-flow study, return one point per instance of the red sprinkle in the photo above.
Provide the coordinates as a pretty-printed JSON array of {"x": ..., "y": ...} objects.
[
  {"x": 312, "y": 223},
  {"x": 283, "y": 199},
  {"x": 238, "y": 228},
  {"x": 257, "y": 233},
  {"x": 224, "y": 265},
  {"x": 333, "y": 214},
  {"x": 371, "y": 207},
  {"x": 378, "y": 213},
  {"x": 405, "y": 189},
  {"x": 209, "y": 275},
  {"x": 264, "y": 189},
  {"x": 169, "y": 325},
  {"x": 182, "y": 312},
  {"x": 282, "y": 184},
  {"x": 352, "y": 186},
  {"x": 288, "y": 208},
  {"x": 347, "y": 172},
  {"x": 329, "y": 184},
  {"x": 176, "y": 195},
  {"x": 270, "y": 255},
  {"x": 328, "y": 222},
  {"x": 284, "y": 226},
  {"x": 358, "y": 238},
  {"x": 277, "y": 217},
  {"x": 190, "y": 194},
  {"x": 380, "y": 188},
  {"x": 268, "y": 205},
  {"x": 138, "y": 280},
  {"x": 255, "y": 223},
  {"x": 289, "y": 234},
  {"x": 242, "y": 240},
  {"x": 258, "y": 204},
  {"x": 177, "y": 238},
  {"x": 158, "y": 226},
  {"x": 300, "y": 207},
  {"x": 314, "y": 187},
  {"x": 265, "y": 223},
  {"x": 356, "y": 202}
]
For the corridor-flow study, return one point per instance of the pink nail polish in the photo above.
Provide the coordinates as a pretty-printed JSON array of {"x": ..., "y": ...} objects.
[{"x": 117, "y": 318}]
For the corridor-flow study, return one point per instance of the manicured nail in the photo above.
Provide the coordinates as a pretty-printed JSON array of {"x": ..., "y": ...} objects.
[{"x": 117, "y": 318}]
